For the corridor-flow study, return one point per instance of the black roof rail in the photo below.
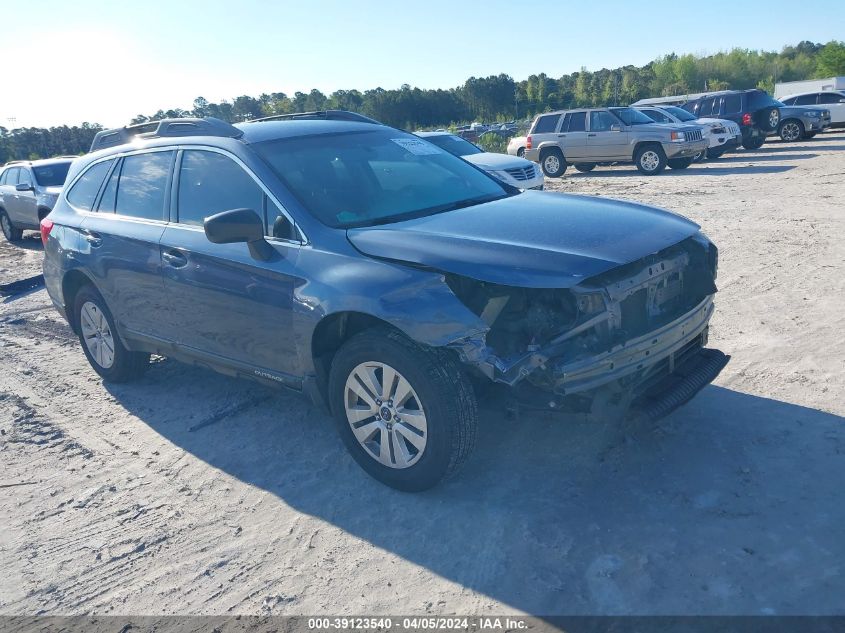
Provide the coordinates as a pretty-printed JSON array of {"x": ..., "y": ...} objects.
[
  {"x": 329, "y": 115},
  {"x": 209, "y": 126}
]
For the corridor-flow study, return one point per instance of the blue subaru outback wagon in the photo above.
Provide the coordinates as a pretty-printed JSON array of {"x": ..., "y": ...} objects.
[{"x": 378, "y": 274}]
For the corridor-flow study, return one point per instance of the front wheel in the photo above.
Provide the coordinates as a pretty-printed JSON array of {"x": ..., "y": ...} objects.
[
  {"x": 791, "y": 131},
  {"x": 11, "y": 233},
  {"x": 809, "y": 134},
  {"x": 585, "y": 167},
  {"x": 406, "y": 412},
  {"x": 100, "y": 342},
  {"x": 713, "y": 154},
  {"x": 680, "y": 163},
  {"x": 553, "y": 164},
  {"x": 650, "y": 160}
]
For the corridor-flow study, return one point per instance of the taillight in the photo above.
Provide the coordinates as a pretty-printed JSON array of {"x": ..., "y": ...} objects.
[
  {"x": 46, "y": 227},
  {"x": 527, "y": 142},
  {"x": 746, "y": 119}
]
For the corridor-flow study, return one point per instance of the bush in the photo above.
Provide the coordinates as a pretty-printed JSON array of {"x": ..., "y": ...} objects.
[{"x": 493, "y": 143}]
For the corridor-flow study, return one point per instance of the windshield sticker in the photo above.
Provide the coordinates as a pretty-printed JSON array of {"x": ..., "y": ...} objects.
[{"x": 418, "y": 147}]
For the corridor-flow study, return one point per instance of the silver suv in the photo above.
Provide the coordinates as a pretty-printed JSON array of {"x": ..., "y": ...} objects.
[
  {"x": 585, "y": 138},
  {"x": 28, "y": 191}
]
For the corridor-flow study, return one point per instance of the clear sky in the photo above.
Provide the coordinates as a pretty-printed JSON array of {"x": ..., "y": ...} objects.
[{"x": 96, "y": 61}]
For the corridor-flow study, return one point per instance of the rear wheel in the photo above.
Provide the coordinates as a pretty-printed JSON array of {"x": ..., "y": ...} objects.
[
  {"x": 11, "y": 233},
  {"x": 791, "y": 130},
  {"x": 754, "y": 142},
  {"x": 650, "y": 160},
  {"x": 585, "y": 167},
  {"x": 406, "y": 412},
  {"x": 552, "y": 163},
  {"x": 521, "y": 152},
  {"x": 680, "y": 163},
  {"x": 100, "y": 341}
]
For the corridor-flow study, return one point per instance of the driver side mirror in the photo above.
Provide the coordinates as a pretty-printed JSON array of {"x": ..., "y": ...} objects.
[
  {"x": 24, "y": 186},
  {"x": 239, "y": 225},
  {"x": 615, "y": 127}
]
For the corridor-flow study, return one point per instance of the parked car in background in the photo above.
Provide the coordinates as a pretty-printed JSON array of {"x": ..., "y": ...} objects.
[
  {"x": 377, "y": 273},
  {"x": 585, "y": 138},
  {"x": 516, "y": 146},
  {"x": 801, "y": 122},
  {"x": 513, "y": 170},
  {"x": 722, "y": 135},
  {"x": 756, "y": 113},
  {"x": 805, "y": 86},
  {"x": 833, "y": 101},
  {"x": 28, "y": 191}
]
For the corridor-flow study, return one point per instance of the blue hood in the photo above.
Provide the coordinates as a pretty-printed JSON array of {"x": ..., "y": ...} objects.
[{"x": 532, "y": 240}]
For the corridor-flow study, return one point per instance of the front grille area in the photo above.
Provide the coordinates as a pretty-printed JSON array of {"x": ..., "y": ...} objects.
[
  {"x": 694, "y": 135},
  {"x": 522, "y": 173}
]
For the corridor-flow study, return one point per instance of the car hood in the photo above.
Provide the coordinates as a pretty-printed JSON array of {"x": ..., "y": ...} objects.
[
  {"x": 491, "y": 161},
  {"x": 533, "y": 239}
]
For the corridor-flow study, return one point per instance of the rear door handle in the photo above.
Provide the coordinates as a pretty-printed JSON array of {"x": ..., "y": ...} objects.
[
  {"x": 174, "y": 259},
  {"x": 93, "y": 239},
  {"x": 561, "y": 135},
  {"x": 590, "y": 134}
]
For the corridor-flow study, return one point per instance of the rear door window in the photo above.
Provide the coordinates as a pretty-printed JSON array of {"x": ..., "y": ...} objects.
[
  {"x": 545, "y": 124},
  {"x": 578, "y": 122},
  {"x": 831, "y": 97},
  {"x": 84, "y": 190},
  {"x": 142, "y": 188},
  {"x": 706, "y": 108}
]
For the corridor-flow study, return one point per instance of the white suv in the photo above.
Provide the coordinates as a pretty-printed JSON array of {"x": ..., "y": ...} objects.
[{"x": 722, "y": 135}]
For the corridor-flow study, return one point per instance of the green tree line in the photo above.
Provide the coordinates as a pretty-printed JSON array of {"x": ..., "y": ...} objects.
[{"x": 493, "y": 98}]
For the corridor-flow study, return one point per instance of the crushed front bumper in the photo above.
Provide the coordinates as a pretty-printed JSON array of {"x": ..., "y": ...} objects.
[{"x": 685, "y": 150}]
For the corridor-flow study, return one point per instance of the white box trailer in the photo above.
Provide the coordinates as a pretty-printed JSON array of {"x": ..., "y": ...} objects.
[{"x": 810, "y": 85}]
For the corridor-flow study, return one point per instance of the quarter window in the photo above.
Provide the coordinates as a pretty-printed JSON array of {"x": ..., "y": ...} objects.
[
  {"x": 84, "y": 190},
  {"x": 142, "y": 188},
  {"x": 733, "y": 103},
  {"x": 546, "y": 123},
  {"x": 832, "y": 97}
]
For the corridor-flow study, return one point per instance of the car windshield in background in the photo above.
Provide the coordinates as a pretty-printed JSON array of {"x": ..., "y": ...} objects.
[
  {"x": 51, "y": 175},
  {"x": 630, "y": 116},
  {"x": 367, "y": 178},
  {"x": 455, "y": 145},
  {"x": 679, "y": 113}
]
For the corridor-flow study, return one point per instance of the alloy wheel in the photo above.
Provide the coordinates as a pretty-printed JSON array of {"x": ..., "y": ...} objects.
[
  {"x": 386, "y": 415},
  {"x": 774, "y": 118},
  {"x": 97, "y": 334},
  {"x": 791, "y": 131},
  {"x": 650, "y": 160},
  {"x": 551, "y": 163}
]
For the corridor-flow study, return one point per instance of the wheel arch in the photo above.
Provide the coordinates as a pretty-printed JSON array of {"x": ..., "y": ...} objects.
[
  {"x": 642, "y": 144},
  {"x": 72, "y": 282}
]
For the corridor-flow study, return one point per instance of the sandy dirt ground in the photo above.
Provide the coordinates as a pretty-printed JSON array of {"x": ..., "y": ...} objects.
[{"x": 189, "y": 492}]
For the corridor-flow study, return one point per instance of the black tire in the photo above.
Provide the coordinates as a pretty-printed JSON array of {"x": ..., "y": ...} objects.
[
  {"x": 521, "y": 152},
  {"x": 10, "y": 232},
  {"x": 699, "y": 158},
  {"x": 445, "y": 395},
  {"x": 768, "y": 119},
  {"x": 809, "y": 134},
  {"x": 127, "y": 365},
  {"x": 791, "y": 130},
  {"x": 754, "y": 142},
  {"x": 650, "y": 160},
  {"x": 679, "y": 163},
  {"x": 552, "y": 163},
  {"x": 585, "y": 167},
  {"x": 713, "y": 154}
]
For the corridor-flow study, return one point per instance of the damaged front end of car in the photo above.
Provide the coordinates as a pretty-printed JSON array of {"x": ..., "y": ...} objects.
[{"x": 634, "y": 336}]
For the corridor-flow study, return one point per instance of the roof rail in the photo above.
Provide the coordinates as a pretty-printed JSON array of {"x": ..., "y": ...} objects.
[
  {"x": 17, "y": 162},
  {"x": 331, "y": 115},
  {"x": 208, "y": 126}
]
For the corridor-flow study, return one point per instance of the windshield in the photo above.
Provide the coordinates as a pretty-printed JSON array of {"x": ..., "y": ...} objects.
[
  {"x": 679, "y": 113},
  {"x": 455, "y": 145},
  {"x": 630, "y": 116},
  {"x": 366, "y": 178},
  {"x": 52, "y": 175}
]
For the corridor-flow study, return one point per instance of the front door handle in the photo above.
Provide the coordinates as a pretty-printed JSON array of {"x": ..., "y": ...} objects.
[
  {"x": 561, "y": 135},
  {"x": 590, "y": 134},
  {"x": 174, "y": 259}
]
